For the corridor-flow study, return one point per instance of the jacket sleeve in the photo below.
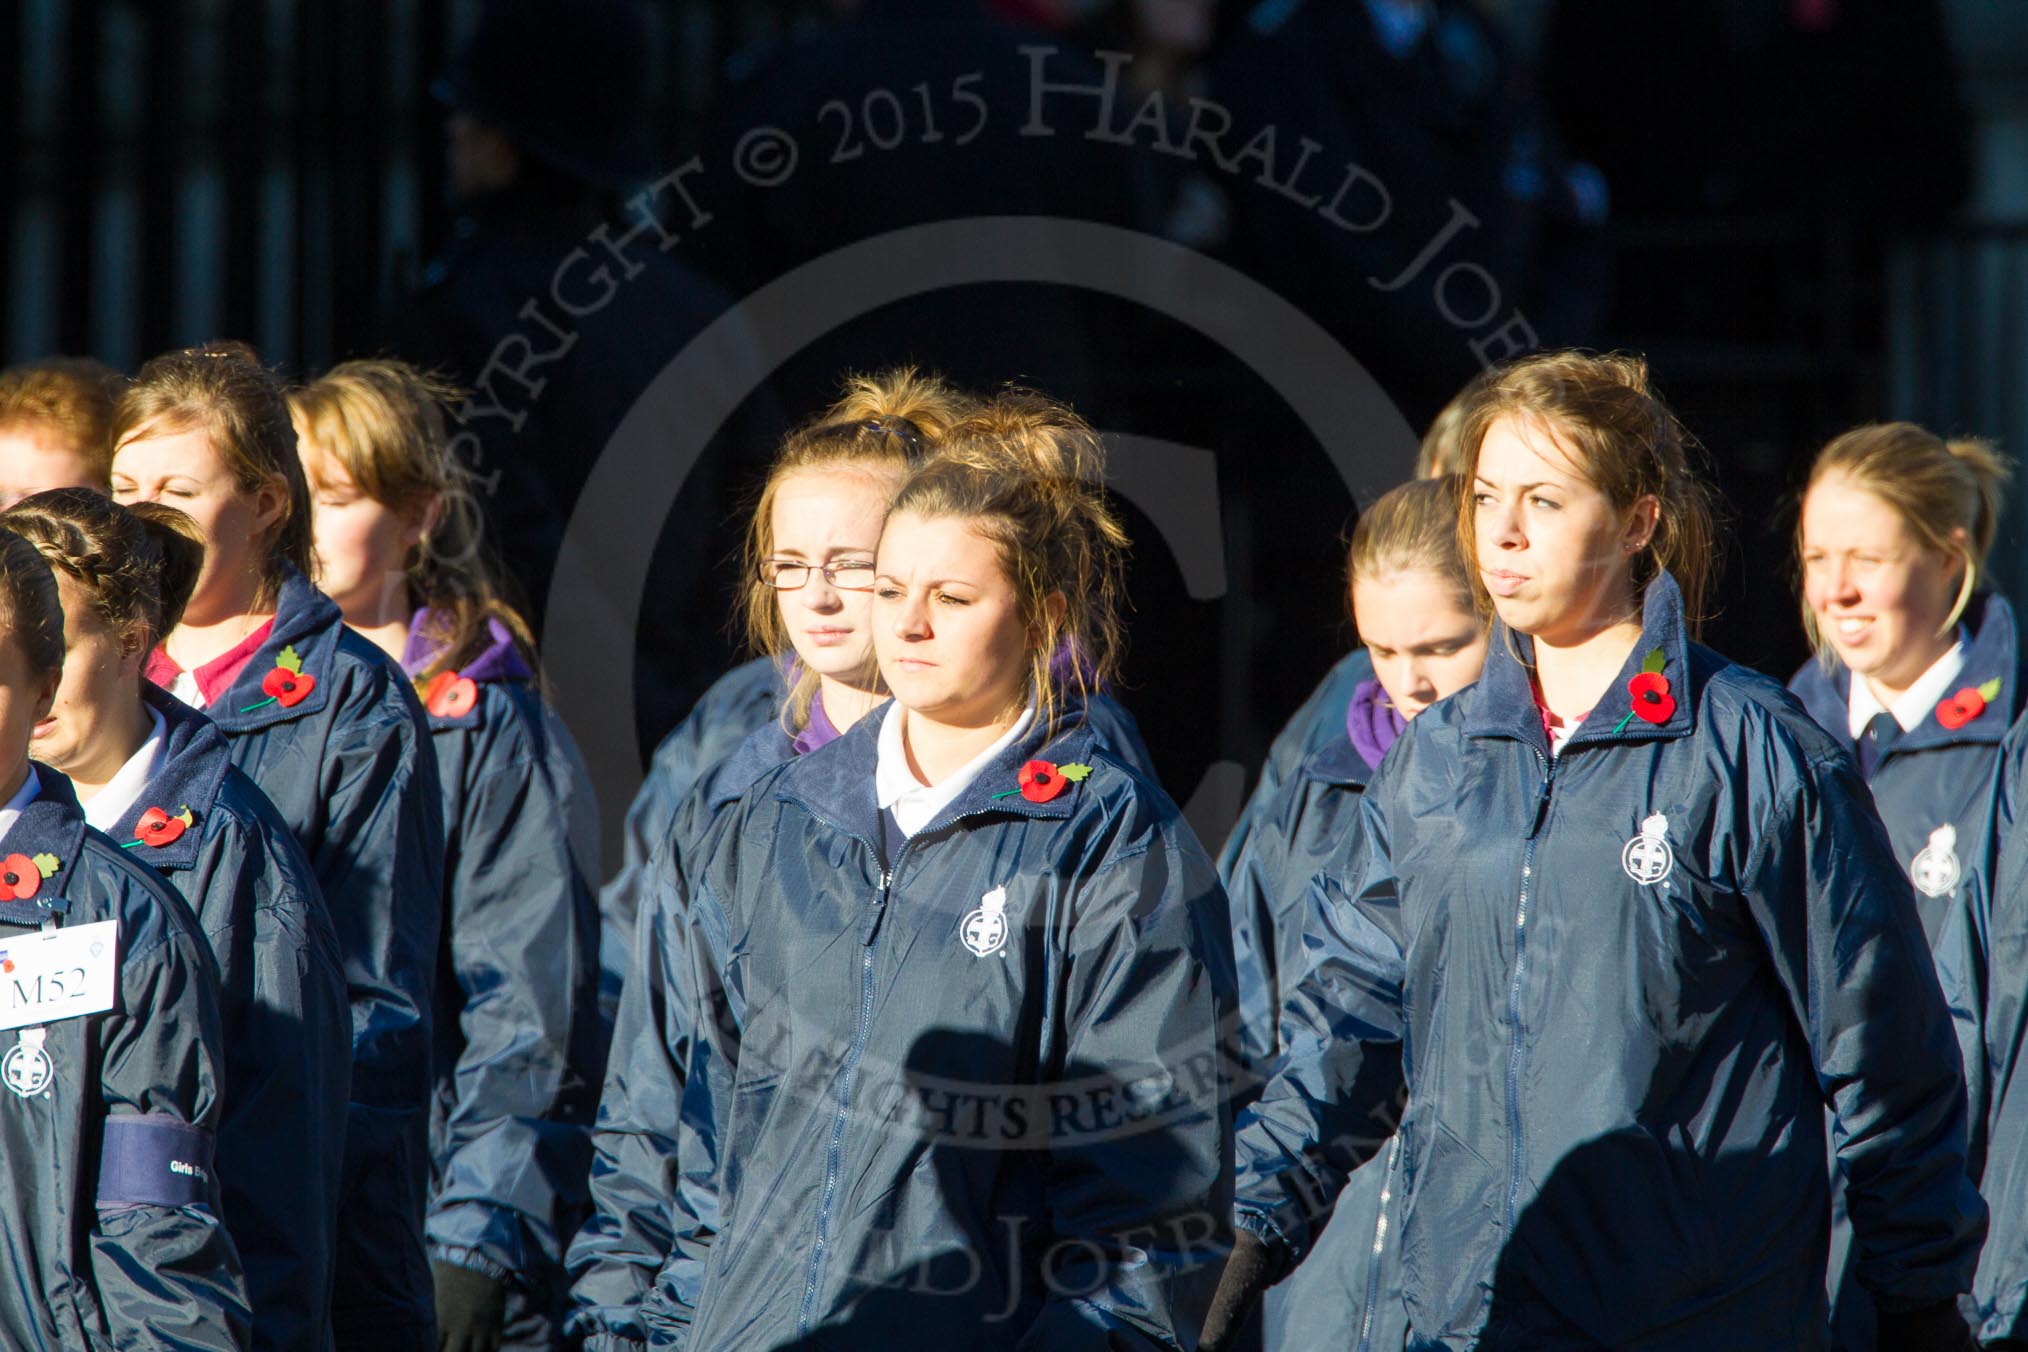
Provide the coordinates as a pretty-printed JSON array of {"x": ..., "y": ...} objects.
[
  {"x": 523, "y": 943},
  {"x": 1253, "y": 872},
  {"x": 288, "y": 1069},
  {"x": 670, "y": 774},
  {"x": 1139, "y": 1117},
  {"x": 1981, "y": 958},
  {"x": 1335, "y": 1094},
  {"x": 166, "y": 1275},
  {"x": 381, "y": 864},
  {"x": 630, "y": 1235},
  {"x": 1840, "y": 923},
  {"x": 715, "y": 1017}
]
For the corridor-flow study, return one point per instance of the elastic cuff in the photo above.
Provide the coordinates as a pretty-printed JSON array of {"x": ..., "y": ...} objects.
[
  {"x": 1282, "y": 1254},
  {"x": 475, "y": 1261}
]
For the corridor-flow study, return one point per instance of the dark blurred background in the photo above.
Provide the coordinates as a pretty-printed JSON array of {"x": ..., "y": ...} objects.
[{"x": 1807, "y": 213}]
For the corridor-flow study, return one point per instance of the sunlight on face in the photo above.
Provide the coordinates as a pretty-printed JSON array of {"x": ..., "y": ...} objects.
[
  {"x": 185, "y": 471},
  {"x": 947, "y": 624},
  {"x": 830, "y": 516},
  {"x": 361, "y": 545},
  {"x": 1552, "y": 549},
  {"x": 1880, "y": 595}
]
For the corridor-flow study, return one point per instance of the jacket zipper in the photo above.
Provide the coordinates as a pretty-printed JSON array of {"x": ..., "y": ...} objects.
[
  {"x": 1379, "y": 1245},
  {"x": 833, "y": 1158},
  {"x": 1514, "y": 991}
]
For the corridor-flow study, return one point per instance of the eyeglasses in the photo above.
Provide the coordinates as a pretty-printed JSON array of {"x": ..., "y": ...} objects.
[{"x": 845, "y": 575}]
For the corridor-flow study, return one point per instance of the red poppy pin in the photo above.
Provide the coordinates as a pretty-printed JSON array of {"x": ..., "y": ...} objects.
[
  {"x": 21, "y": 877},
  {"x": 449, "y": 695},
  {"x": 286, "y": 685},
  {"x": 1954, "y": 711},
  {"x": 157, "y": 828},
  {"x": 1649, "y": 694},
  {"x": 1042, "y": 780}
]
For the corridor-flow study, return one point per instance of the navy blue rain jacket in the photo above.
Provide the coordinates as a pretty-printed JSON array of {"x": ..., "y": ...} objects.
[
  {"x": 746, "y": 698},
  {"x": 1934, "y": 787},
  {"x": 109, "y": 1206},
  {"x": 1933, "y": 784},
  {"x": 1318, "y": 720},
  {"x": 1348, "y": 1289},
  {"x": 1618, "y": 988},
  {"x": 629, "y": 1237},
  {"x": 350, "y": 769},
  {"x": 970, "y": 1095},
  {"x": 1982, "y": 960},
  {"x": 287, "y": 1026},
  {"x": 520, "y": 1046},
  {"x": 1303, "y": 827}
]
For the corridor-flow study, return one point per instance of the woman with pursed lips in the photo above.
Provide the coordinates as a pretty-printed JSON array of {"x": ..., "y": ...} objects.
[{"x": 1618, "y": 925}]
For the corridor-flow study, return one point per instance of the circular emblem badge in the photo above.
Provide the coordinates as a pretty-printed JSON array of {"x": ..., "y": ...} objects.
[
  {"x": 1647, "y": 857},
  {"x": 27, "y": 1069},
  {"x": 984, "y": 931},
  {"x": 1934, "y": 870}
]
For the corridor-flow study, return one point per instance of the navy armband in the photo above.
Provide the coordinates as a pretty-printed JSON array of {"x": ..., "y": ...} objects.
[{"x": 154, "y": 1160}]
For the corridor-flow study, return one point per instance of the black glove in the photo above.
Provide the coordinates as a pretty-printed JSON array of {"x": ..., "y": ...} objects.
[
  {"x": 1248, "y": 1272},
  {"x": 1933, "y": 1328},
  {"x": 471, "y": 1309}
]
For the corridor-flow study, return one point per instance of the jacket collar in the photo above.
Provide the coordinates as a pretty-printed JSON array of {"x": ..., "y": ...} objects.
[
  {"x": 1506, "y": 706},
  {"x": 54, "y": 826},
  {"x": 835, "y": 783},
  {"x": 1992, "y": 654},
  {"x": 306, "y": 620},
  {"x": 764, "y": 748},
  {"x": 494, "y": 659},
  {"x": 194, "y": 763}
]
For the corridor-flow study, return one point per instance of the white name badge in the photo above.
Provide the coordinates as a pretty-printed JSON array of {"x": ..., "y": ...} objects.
[{"x": 47, "y": 975}]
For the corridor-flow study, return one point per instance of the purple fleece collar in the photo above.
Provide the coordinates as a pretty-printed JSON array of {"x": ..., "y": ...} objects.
[{"x": 1371, "y": 722}]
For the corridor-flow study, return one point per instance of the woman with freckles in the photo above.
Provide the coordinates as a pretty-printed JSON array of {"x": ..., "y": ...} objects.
[{"x": 1620, "y": 923}]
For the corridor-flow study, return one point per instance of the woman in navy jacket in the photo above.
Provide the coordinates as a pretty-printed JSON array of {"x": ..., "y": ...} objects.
[
  {"x": 519, "y": 1044},
  {"x": 109, "y": 1208},
  {"x": 329, "y": 728},
  {"x": 821, "y": 503},
  {"x": 1620, "y": 921},
  {"x": 154, "y": 775},
  {"x": 1413, "y": 605},
  {"x": 807, "y": 605},
  {"x": 988, "y": 1109},
  {"x": 1918, "y": 672}
]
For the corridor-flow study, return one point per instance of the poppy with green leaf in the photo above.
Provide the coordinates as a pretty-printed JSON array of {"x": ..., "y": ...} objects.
[
  {"x": 287, "y": 685},
  {"x": 1653, "y": 702}
]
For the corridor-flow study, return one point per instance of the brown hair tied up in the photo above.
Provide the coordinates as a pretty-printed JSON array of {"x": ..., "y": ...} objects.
[
  {"x": 33, "y": 608},
  {"x": 222, "y": 389},
  {"x": 383, "y": 422},
  {"x": 1030, "y": 474},
  {"x": 885, "y": 424},
  {"x": 138, "y": 565},
  {"x": 1625, "y": 441}
]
